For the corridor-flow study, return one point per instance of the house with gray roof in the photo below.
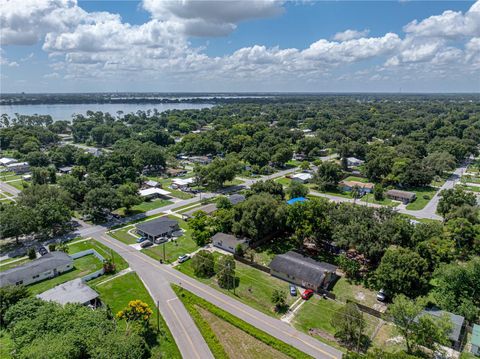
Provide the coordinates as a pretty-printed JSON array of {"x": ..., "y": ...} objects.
[
  {"x": 236, "y": 198},
  {"x": 402, "y": 196},
  {"x": 303, "y": 271},
  {"x": 48, "y": 266},
  {"x": 228, "y": 242},
  {"x": 157, "y": 229},
  {"x": 208, "y": 209},
  {"x": 458, "y": 323},
  {"x": 74, "y": 291}
]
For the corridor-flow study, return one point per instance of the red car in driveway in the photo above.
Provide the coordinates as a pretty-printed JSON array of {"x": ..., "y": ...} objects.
[{"x": 307, "y": 294}]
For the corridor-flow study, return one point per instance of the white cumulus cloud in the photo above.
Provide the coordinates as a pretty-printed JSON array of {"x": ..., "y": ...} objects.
[{"x": 350, "y": 35}]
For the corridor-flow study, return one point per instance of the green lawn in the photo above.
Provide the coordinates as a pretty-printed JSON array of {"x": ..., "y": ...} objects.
[
  {"x": 234, "y": 182},
  {"x": 101, "y": 249},
  {"x": 184, "y": 244},
  {"x": 385, "y": 202},
  {"x": 471, "y": 188},
  {"x": 357, "y": 179},
  {"x": 123, "y": 236},
  {"x": 82, "y": 267},
  {"x": 471, "y": 179},
  {"x": 420, "y": 202},
  {"x": 119, "y": 291},
  {"x": 6, "y": 345},
  {"x": 145, "y": 206},
  {"x": 18, "y": 184},
  {"x": 344, "y": 290},
  {"x": 8, "y": 264},
  {"x": 285, "y": 182},
  {"x": 254, "y": 286}
]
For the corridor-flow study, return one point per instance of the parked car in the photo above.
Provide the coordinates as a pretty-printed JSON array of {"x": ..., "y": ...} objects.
[
  {"x": 307, "y": 294},
  {"x": 183, "y": 258},
  {"x": 141, "y": 239},
  {"x": 382, "y": 295},
  {"x": 42, "y": 251},
  {"x": 146, "y": 244},
  {"x": 293, "y": 290}
]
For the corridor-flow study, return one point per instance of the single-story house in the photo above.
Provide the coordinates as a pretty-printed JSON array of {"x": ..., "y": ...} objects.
[
  {"x": 302, "y": 177},
  {"x": 74, "y": 291},
  {"x": 228, "y": 242},
  {"x": 158, "y": 228},
  {"x": 236, "y": 198},
  {"x": 297, "y": 199},
  {"x": 402, "y": 196},
  {"x": 153, "y": 193},
  {"x": 208, "y": 209},
  {"x": 174, "y": 172},
  {"x": 18, "y": 167},
  {"x": 354, "y": 162},
  {"x": 151, "y": 183},
  {"x": 303, "y": 271},
  {"x": 347, "y": 186},
  {"x": 4, "y": 161},
  {"x": 48, "y": 266},
  {"x": 183, "y": 182},
  {"x": 203, "y": 160},
  {"x": 299, "y": 156},
  {"x": 475, "y": 341},
  {"x": 65, "y": 169},
  {"x": 27, "y": 177},
  {"x": 457, "y": 321}
]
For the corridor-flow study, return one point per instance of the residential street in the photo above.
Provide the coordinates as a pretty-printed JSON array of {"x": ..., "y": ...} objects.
[
  {"x": 157, "y": 278},
  {"x": 8, "y": 188}
]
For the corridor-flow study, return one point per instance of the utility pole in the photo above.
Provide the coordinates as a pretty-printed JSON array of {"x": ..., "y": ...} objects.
[
  {"x": 158, "y": 316},
  {"x": 164, "y": 251}
]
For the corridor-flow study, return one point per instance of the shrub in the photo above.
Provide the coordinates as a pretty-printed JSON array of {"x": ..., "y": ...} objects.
[
  {"x": 51, "y": 247},
  {"x": 31, "y": 253}
]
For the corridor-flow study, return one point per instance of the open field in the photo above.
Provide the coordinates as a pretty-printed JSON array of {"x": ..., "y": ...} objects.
[
  {"x": 101, "y": 249},
  {"x": 344, "y": 290},
  {"x": 254, "y": 287},
  {"x": 421, "y": 202},
  {"x": 119, "y": 291},
  {"x": 357, "y": 179},
  {"x": 369, "y": 198},
  {"x": 237, "y": 343},
  {"x": 144, "y": 207}
]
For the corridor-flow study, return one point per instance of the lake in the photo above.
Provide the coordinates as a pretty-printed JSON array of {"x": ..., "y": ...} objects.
[{"x": 65, "y": 111}]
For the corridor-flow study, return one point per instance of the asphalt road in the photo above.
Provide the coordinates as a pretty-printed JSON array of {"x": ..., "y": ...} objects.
[
  {"x": 157, "y": 278},
  {"x": 8, "y": 188}
]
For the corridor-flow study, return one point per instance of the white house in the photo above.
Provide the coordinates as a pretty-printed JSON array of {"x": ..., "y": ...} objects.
[
  {"x": 302, "y": 177},
  {"x": 153, "y": 192},
  {"x": 74, "y": 291},
  {"x": 48, "y": 266},
  {"x": 183, "y": 182},
  {"x": 7, "y": 161},
  {"x": 19, "y": 167}
]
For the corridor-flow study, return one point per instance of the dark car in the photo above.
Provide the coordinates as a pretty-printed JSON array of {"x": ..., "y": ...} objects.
[
  {"x": 141, "y": 239},
  {"x": 382, "y": 296},
  {"x": 307, "y": 294},
  {"x": 146, "y": 244},
  {"x": 42, "y": 251},
  {"x": 293, "y": 290}
]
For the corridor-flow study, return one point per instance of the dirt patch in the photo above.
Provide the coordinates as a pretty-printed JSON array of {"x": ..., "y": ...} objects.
[
  {"x": 360, "y": 296},
  {"x": 236, "y": 342}
]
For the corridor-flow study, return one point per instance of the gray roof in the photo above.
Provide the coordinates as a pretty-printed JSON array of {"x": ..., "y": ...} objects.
[
  {"x": 301, "y": 267},
  {"x": 209, "y": 208},
  {"x": 457, "y": 321},
  {"x": 74, "y": 291},
  {"x": 236, "y": 198},
  {"x": 43, "y": 264},
  {"x": 228, "y": 240},
  {"x": 158, "y": 226},
  {"x": 401, "y": 194}
]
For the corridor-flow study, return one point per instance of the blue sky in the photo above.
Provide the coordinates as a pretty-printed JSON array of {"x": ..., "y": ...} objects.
[{"x": 64, "y": 45}]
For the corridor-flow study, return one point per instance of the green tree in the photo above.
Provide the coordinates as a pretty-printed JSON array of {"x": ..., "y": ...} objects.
[
  {"x": 402, "y": 271},
  {"x": 378, "y": 192},
  {"x": 279, "y": 299},
  {"x": 201, "y": 226},
  {"x": 296, "y": 189},
  {"x": 268, "y": 186},
  {"x": 136, "y": 311},
  {"x": 9, "y": 296},
  {"x": 439, "y": 162},
  {"x": 226, "y": 272},
  {"x": 128, "y": 195},
  {"x": 100, "y": 201},
  {"x": 328, "y": 175},
  {"x": 454, "y": 198},
  {"x": 350, "y": 267},
  {"x": 16, "y": 221},
  {"x": 203, "y": 264},
  {"x": 349, "y": 326}
]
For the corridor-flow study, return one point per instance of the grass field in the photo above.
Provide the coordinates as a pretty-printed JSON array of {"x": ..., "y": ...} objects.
[
  {"x": 119, "y": 291},
  {"x": 357, "y": 179},
  {"x": 254, "y": 286},
  {"x": 18, "y": 184},
  {"x": 385, "y": 202},
  {"x": 344, "y": 290},
  {"x": 144, "y": 207},
  {"x": 471, "y": 188},
  {"x": 101, "y": 249},
  {"x": 6, "y": 345},
  {"x": 421, "y": 202},
  {"x": 285, "y": 182},
  {"x": 173, "y": 249},
  {"x": 236, "y": 342},
  {"x": 82, "y": 267}
]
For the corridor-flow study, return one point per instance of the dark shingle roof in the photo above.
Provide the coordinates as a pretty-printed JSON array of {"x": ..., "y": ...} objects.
[
  {"x": 228, "y": 240},
  {"x": 43, "y": 264},
  {"x": 208, "y": 209},
  {"x": 301, "y": 267},
  {"x": 401, "y": 194},
  {"x": 158, "y": 226}
]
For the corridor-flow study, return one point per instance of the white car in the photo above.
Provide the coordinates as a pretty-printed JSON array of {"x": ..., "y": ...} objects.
[{"x": 183, "y": 258}]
